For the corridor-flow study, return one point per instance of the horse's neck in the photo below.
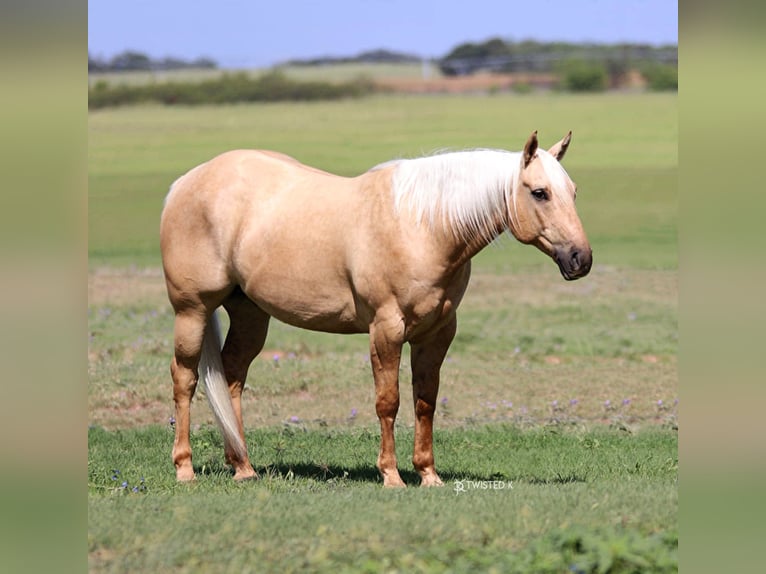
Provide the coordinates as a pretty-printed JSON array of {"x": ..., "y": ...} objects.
[{"x": 460, "y": 250}]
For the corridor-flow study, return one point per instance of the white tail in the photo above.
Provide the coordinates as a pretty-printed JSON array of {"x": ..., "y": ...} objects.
[{"x": 217, "y": 389}]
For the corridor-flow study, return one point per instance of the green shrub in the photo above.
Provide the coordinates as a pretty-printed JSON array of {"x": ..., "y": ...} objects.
[
  {"x": 583, "y": 76},
  {"x": 228, "y": 88},
  {"x": 522, "y": 87},
  {"x": 608, "y": 549},
  {"x": 661, "y": 77}
]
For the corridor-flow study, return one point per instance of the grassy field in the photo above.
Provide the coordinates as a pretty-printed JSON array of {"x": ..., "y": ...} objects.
[
  {"x": 531, "y": 501},
  {"x": 564, "y": 393}
]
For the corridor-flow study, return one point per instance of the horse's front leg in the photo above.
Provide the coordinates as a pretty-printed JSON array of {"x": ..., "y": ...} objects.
[
  {"x": 385, "y": 355},
  {"x": 426, "y": 360}
]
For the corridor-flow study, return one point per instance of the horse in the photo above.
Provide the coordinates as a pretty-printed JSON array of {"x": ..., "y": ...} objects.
[{"x": 386, "y": 253}]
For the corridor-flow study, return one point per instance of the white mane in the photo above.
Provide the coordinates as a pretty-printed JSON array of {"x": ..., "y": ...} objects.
[{"x": 463, "y": 190}]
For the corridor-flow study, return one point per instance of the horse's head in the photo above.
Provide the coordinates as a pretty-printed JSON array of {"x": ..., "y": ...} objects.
[{"x": 542, "y": 209}]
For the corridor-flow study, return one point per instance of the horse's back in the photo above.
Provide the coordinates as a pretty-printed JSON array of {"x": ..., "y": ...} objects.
[
  {"x": 227, "y": 187},
  {"x": 252, "y": 169}
]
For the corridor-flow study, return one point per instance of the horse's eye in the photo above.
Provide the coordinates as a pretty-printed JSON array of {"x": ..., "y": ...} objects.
[{"x": 539, "y": 194}]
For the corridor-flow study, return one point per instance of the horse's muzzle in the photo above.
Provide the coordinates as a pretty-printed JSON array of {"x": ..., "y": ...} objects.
[{"x": 574, "y": 262}]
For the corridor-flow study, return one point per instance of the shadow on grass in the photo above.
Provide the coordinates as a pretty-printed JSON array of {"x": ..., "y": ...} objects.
[{"x": 369, "y": 474}]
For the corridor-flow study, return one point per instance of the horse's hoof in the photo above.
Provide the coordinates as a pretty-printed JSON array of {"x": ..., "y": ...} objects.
[
  {"x": 185, "y": 476},
  {"x": 245, "y": 476},
  {"x": 393, "y": 481}
]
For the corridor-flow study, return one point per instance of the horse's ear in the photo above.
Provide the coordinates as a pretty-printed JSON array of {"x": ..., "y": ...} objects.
[
  {"x": 559, "y": 149},
  {"x": 530, "y": 148}
]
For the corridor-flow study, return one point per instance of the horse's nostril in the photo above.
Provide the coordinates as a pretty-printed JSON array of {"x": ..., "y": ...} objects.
[{"x": 576, "y": 258}]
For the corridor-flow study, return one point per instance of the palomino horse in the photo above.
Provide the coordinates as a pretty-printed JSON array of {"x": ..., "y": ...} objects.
[{"x": 386, "y": 253}]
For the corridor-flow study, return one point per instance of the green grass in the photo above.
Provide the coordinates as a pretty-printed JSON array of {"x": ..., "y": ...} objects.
[
  {"x": 567, "y": 390},
  {"x": 319, "y": 505}
]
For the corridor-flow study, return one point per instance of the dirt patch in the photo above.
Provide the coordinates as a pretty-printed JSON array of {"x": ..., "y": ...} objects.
[
  {"x": 546, "y": 288},
  {"x": 110, "y": 286},
  {"x": 483, "y": 82},
  {"x": 476, "y": 83}
]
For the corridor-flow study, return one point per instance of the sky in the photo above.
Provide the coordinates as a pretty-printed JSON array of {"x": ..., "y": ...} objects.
[{"x": 237, "y": 33}]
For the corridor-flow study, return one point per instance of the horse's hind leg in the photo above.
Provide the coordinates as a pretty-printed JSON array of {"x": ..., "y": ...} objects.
[
  {"x": 189, "y": 332},
  {"x": 247, "y": 334},
  {"x": 426, "y": 360}
]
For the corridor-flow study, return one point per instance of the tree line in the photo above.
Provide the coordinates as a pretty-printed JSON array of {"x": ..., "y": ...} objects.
[
  {"x": 495, "y": 55},
  {"x": 131, "y": 60},
  {"x": 498, "y": 55},
  {"x": 584, "y": 67}
]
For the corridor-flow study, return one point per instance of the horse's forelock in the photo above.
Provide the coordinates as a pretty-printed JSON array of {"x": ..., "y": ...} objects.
[{"x": 557, "y": 175}]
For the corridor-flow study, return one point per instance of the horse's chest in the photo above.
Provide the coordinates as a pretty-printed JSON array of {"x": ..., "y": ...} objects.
[{"x": 429, "y": 310}]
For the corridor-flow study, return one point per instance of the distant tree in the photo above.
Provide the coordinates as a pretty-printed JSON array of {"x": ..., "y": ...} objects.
[
  {"x": 130, "y": 60},
  {"x": 204, "y": 63},
  {"x": 661, "y": 77},
  {"x": 583, "y": 76},
  {"x": 495, "y": 47},
  {"x": 96, "y": 64},
  {"x": 169, "y": 64},
  {"x": 368, "y": 57}
]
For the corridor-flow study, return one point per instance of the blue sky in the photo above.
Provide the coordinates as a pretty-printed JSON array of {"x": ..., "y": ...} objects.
[{"x": 237, "y": 33}]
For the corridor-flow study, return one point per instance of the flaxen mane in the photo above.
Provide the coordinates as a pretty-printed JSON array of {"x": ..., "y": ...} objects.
[{"x": 463, "y": 191}]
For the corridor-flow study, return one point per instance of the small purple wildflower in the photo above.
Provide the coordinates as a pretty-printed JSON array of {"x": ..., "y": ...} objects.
[
  {"x": 572, "y": 402},
  {"x": 135, "y": 489},
  {"x": 607, "y": 403},
  {"x": 125, "y": 484},
  {"x": 625, "y": 402},
  {"x": 555, "y": 403},
  {"x": 659, "y": 403},
  {"x": 275, "y": 358},
  {"x": 508, "y": 404},
  {"x": 675, "y": 402},
  {"x": 294, "y": 419},
  {"x": 353, "y": 413},
  {"x": 444, "y": 401},
  {"x": 172, "y": 421}
]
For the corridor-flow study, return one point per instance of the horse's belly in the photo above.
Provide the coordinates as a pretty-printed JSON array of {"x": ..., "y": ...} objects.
[{"x": 310, "y": 307}]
